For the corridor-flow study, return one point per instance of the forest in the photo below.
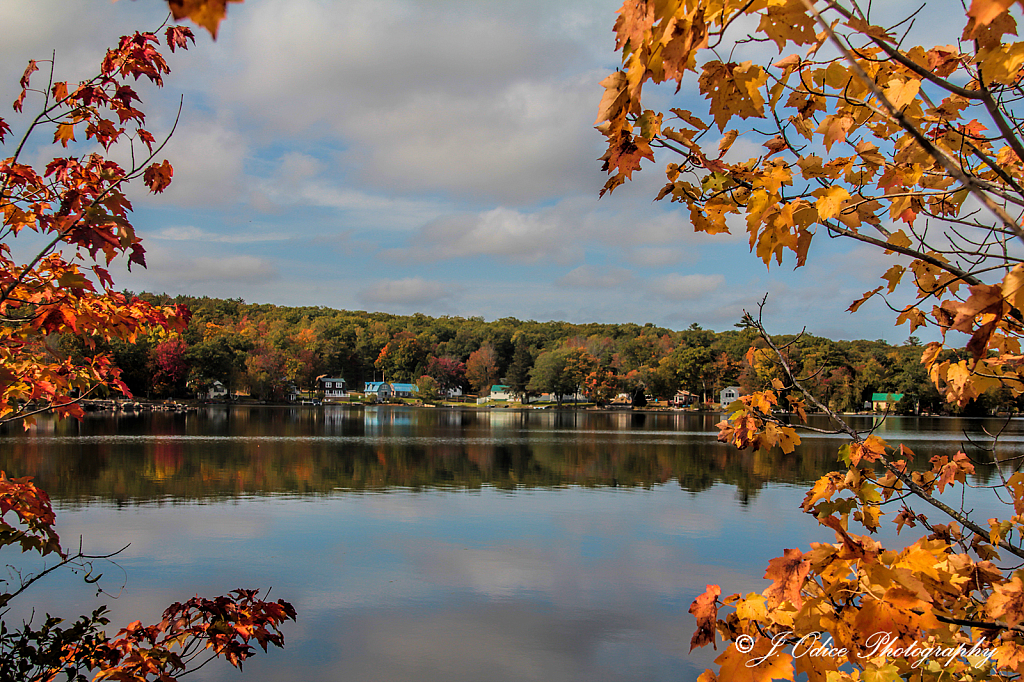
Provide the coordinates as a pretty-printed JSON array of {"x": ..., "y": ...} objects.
[{"x": 262, "y": 350}]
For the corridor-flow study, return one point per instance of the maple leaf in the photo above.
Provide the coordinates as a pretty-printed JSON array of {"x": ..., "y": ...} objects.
[
  {"x": 206, "y": 13},
  {"x": 705, "y": 609},
  {"x": 901, "y": 93},
  {"x": 736, "y": 666},
  {"x": 65, "y": 133},
  {"x": 984, "y": 11},
  {"x": 178, "y": 36},
  {"x": 635, "y": 19},
  {"x": 860, "y": 301},
  {"x": 787, "y": 574},
  {"x": 688, "y": 35},
  {"x": 869, "y": 450},
  {"x": 834, "y": 128},
  {"x": 830, "y": 201},
  {"x": 786, "y": 22},
  {"x": 1007, "y": 602},
  {"x": 734, "y": 90},
  {"x": 614, "y": 98},
  {"x": 26, "y": 77},
  {"x": 158, "y": 176}
]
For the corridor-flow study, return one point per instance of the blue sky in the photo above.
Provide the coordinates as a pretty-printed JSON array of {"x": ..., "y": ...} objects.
[{"x": 430, "y": 156}]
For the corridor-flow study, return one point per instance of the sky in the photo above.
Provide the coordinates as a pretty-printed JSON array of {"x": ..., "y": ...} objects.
[{"x": 434, "y": 156}]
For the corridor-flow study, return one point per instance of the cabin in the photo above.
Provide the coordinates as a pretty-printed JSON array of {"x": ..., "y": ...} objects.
[
  {"x": 729, "y": 394},
  {"x": 332, "y": 388},
  {"x": 885, "y": 402}
]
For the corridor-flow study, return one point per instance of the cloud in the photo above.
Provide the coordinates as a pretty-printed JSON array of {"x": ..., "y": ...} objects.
[
  {"x": 189, "y": 233},
  {"x": 408, "y": 291},
  {"x": 473, "y": 100},
  {"x": 502, "y": 232},
  {"x": 676, "y": 287},
  {"x": 657, "y": 257},
  {"x": 595, "y": 277},
  {"x": 178, "y": 271},
  {"x": 208, "y": 158}
]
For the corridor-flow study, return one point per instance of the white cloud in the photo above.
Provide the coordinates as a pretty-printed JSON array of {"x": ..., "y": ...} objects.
[
  {"x": 408, "y": 291},
  {"x": 208, "y": 158},
  {"x": 179, "y": 271},
  {"x": 189, "y": 233},
  {"x": 503, "y": 232},
  {"x": 474, "y": 100},
  {"x": 678, "y": 287},
  {"x": 595, "y": 277},
  {"x": 657, "y": 257}
]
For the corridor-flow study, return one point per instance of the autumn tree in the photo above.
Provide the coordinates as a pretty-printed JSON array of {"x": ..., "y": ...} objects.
[
  {"x": 170, "y": 367},
  {"x": 402, "y": 357},
  {"x": 482, "y": 368},
  {"x": 78, "y": 208},
  {"x": 916, "y": 152},
  {"x": 600, "y": 385},
  {"x": 448, "y": 373}
]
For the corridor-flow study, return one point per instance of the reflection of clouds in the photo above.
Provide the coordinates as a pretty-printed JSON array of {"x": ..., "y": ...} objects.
[
  {"x": 147, "y": 528},
  {"x": 536, "y": 584}
]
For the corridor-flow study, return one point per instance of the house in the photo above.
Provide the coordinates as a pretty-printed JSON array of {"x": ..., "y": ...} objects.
[
  {"x": 885, "y": 402},
  {"x": 728, "y": 395},
  {"x": 682, "y": 398},
  {"x": 332, "y": 388},
  {"x": 404, "y": 390},
  {"x": 502, "y": 392},
  {"x": 381, "y": 389},
  {"x": 217, "y": 391}
]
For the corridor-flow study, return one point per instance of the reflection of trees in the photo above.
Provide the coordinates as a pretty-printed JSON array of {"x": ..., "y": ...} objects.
[{"x": 230, "y": 452}]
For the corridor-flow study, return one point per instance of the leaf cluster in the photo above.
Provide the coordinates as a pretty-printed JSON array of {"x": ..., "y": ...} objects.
[{"x": 916, "y": 152}]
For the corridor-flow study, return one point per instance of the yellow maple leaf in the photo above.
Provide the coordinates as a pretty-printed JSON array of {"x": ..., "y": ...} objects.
[
  {"x": 830, "y": 202},
  {"x": 984, "y": 11},
  {"x": 901, "y": 93}
]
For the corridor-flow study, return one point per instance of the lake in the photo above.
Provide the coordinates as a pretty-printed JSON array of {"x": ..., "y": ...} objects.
[{"x": 439, "y": 544}]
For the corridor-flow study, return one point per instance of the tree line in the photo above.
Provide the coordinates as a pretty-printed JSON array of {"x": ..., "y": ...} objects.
[{"x": 263, "y": 350}]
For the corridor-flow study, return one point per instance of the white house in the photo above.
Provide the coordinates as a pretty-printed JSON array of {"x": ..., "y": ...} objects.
[
  {"x": 334, "y": 388},
  {"x": 502, "y": 392},
  {"x": 729, "y": 394},
  {"x": 216, "y": 391}
]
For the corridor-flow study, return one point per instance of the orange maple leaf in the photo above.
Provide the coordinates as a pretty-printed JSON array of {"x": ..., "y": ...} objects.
[
  {"x": 206, "y": 13},
  {"x": 984, "y": 11},
  {"x": 1007, "y": 602},
  {"x": 737, "y": 666},
  {"x": 787, "y": 574},
  {"x": 705, "y": 609}
]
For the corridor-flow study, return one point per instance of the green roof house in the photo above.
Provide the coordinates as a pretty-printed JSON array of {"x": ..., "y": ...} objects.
[{"x": 885, "y": 402}]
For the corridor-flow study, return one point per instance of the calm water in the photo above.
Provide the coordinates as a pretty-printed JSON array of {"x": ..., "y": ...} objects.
[{"x": 435, "y": 544}]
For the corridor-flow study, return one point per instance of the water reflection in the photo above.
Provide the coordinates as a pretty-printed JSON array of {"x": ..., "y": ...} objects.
[
  {"x": 224, "y": 452},
  {"x": 537, "y": 545}
]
